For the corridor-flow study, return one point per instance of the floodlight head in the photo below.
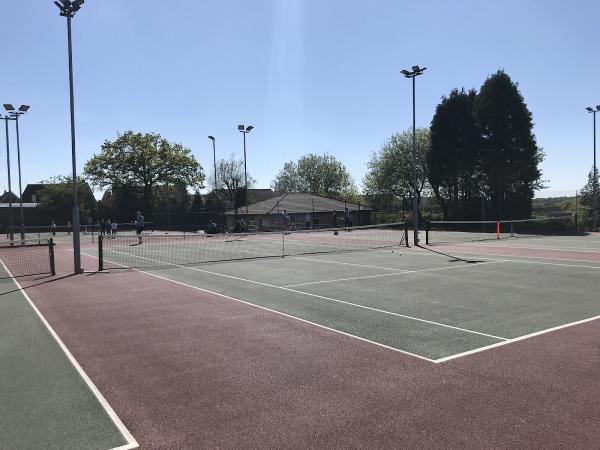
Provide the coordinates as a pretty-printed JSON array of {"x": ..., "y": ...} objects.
[
  {"x": 241, "y": 127},
  {"x": 589, "y": 108},
  {"x": 405, "y": 72},
  {"x": 9, "y": 107},
  {"x": 249, "y": 128},
  {"x": 23, "y": 108},
  {"x": 598, "y": 107},
  {"x": 212, "y": 138},
  {"x": 416, "y": 68},
  {"x": 77, "y": 5}
]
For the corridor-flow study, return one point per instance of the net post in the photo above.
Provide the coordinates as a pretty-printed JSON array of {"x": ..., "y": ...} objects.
[
  {"x": 283, "y": 244},
  {"x": 497, "y": 229},
  {"x": 51, "y": 253},
  {"x": 427, "y": 234},
  {"x": 512, "y": 229},
  {"x": 100, "y": 255}
]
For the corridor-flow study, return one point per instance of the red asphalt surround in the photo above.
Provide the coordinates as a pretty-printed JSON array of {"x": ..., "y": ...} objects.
[{"x": 187, "y": 369}]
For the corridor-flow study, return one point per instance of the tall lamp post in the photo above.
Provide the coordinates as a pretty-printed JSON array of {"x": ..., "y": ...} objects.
[
  {"x": 10, "y": 215},
  {"x": 15, "y": 115},
  {"x": 416, "y": 71},
  {"x": 214, "y": 161},
  {"x": 218, "y": 206},
  {"x": 68, "y": 8},
  {"x": 245, "y": 129},
  {"x": 594, "y": 175}
]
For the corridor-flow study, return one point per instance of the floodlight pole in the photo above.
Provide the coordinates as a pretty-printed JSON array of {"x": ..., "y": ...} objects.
[
  {"x": 245, "y": 129},
  {"x": 214, "y": 161},
  {"x": 16, "y": 115},
  {"x": 415, "y": 73},
  {"x": 594, "y": 182},
  {"x": 68, "y": 9},
  {"x": 10, "y": 215}
]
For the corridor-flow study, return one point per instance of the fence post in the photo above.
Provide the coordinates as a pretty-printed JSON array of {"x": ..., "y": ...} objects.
[
  {"x": 51, "y": 253},
  {"x": 100, "y": 255}
]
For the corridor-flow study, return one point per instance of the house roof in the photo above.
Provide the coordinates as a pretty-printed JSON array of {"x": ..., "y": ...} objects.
[
  {"x": 299, "y": 204},
  {"x": 31, "y": 189},
  {"x": 9, "y": 195}
]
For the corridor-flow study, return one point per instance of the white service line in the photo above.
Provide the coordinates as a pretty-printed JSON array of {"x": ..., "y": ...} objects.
[
  {"x": 510, "y": 341},
  {"x": 537, "y": 247},
  {"x": 329, "y": 261},
  {"x": 131, "y": 442},
  {"x": 317, "y": 296},
  {"x": 404, "y": 272},
  {"x": 467, "y": 254}
]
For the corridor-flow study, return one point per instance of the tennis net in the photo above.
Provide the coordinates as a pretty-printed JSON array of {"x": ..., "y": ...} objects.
[
  {"x": 199, "y": 248},
  {"x": 444, "y": 232},
  {"x": 27, "y": 257}
]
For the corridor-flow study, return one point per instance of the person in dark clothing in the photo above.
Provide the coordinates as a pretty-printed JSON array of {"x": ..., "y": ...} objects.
[{"x": 334, "y": 221}]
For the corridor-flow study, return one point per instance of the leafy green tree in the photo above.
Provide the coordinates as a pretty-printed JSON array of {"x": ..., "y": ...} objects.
[
  {"x": 320, "y": 175},
  {"x": 140, "y": 162},
  {"x": 389, "y": 173},
  {"x": 587, "y": 198},
  {"x": 509, "y": 150},
  {"x": 454, "y": 162},
  {"x": 56, "y": 199}
]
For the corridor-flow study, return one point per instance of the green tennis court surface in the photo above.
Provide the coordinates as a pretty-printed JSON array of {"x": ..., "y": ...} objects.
[
  {"x": 46, "y": 404},
  {"x": 435, "y": 304}
]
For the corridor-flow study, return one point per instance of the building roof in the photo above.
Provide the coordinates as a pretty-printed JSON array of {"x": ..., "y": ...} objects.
[
  {"x": 299, "y": 204},
  {"x": 32, "y": 189},
  {"x": 255, "y": 195},
  {"x": 9, "y": 196}
]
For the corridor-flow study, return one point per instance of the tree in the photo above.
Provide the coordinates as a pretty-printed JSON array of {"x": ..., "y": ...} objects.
[
  {"x": 509, "y": 150},
  {"x": 56, "y": 199},
  {"x": 140, "y": 162},
  {"x": 587, "y": 195},
  {"x": 454, "y": 163},
  {"x": 389, "y": 173},
  {"x": 230, "y": 181},
  {"x": 320, "y": 175}
]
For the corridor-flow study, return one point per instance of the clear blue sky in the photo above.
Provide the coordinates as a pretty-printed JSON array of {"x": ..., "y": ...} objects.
[{"x": 310, "y": 75}]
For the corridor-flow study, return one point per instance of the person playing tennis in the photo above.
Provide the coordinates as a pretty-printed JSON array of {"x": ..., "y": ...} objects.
[{"x": 139, "y": 226}]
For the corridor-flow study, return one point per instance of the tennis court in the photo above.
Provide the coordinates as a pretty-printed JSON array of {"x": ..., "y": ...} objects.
[
  {"x": 366, "y": 283},
  {"x": 243, "y": 340}
]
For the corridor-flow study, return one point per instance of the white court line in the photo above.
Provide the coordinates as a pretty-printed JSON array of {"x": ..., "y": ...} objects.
[
  {"x": 131, "y": 442},
  {"x": 391, "y": 274},
  {"x": 309, "y": 294},
  {"x": 468, "y": 253},
  {"x": 537, "y": 247},
  {"x": 510, "y": 341},
  {"x": 218, "y": 294},
  {"x": 457, "y": 255},
  {"x": 344, "y": 263}
]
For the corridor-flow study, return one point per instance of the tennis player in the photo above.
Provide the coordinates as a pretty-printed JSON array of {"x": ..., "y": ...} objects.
[{"x": 139, "y": 226}]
